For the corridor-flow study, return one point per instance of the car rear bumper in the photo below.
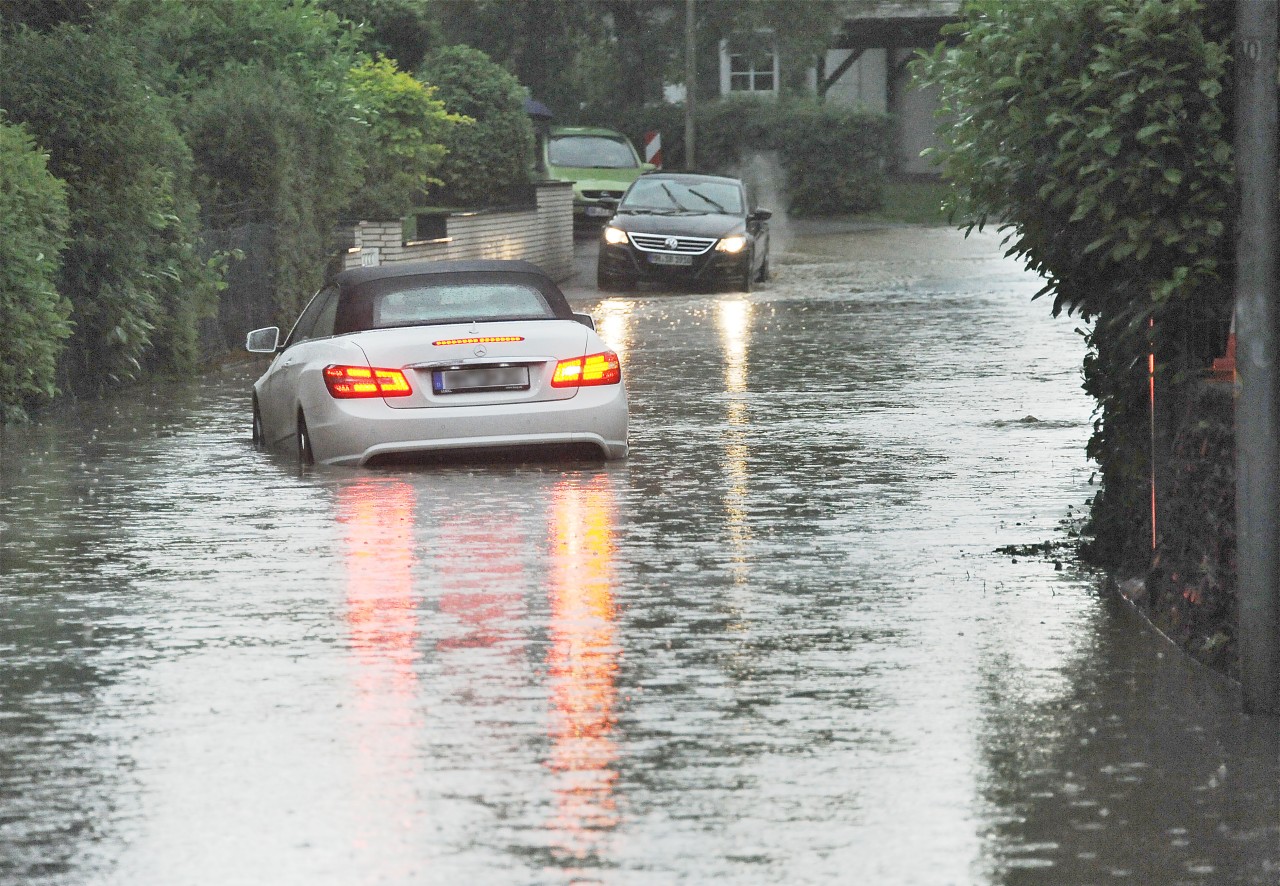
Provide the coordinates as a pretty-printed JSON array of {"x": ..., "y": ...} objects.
[{"x": 355, "y": 432}]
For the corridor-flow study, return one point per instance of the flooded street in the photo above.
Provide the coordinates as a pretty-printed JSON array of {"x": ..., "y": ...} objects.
[{"x": 775, "y": 645}]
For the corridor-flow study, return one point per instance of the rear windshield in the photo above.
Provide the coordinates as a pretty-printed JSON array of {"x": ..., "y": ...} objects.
[
  {"x": 591, "y": 151},
  {"x": 419, "y": 304}
]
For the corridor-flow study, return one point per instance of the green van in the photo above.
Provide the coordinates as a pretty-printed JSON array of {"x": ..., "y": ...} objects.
[{"x": 601, "y": 163}]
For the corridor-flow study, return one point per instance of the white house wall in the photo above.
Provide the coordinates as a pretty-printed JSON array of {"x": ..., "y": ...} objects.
[
  {"x": 864, "y": 85},
  {"x": 915, "y": 121}
]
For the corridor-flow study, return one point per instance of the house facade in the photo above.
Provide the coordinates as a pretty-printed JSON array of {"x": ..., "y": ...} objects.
[{"x": 865, "y": 67}]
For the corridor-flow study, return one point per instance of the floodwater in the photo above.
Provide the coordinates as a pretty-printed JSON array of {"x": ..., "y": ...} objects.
[{"x": 775, "y": 645}]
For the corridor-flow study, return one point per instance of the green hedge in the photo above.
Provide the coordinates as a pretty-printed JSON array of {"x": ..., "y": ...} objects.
[
  {"x": 489, "y": 159},
  {"x": 131, "y": 269},
  {"x": 33, "y": 221},
  {"x": 834, "y": 159}
]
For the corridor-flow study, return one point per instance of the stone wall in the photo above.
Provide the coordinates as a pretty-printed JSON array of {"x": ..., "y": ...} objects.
[{"x": 542, "y": 234}]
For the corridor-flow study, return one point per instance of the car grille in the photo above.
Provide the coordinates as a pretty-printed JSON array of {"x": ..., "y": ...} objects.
[
  {"x": 596, "y": 195},
  {"x": 671, "y": 244}
]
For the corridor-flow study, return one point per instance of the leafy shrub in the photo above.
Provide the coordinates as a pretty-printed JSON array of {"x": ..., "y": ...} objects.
[
  {"x": 1095, "y": 133},
  {"x": 263, "y": 96},
  {"x": 406, "y": 125},
  {"x": 489, "y": 161},
  {"x": 33, "y": 221},
  {"x": 131, "y": 269},
  {"x": 834, "y": 158}
]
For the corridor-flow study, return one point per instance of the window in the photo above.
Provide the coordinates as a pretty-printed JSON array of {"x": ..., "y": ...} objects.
[
  {"x": 749, "y": 66},
  {"x": 318, "y": 318},
  {"x": 591, "y": 152},
  {"x": 443, "y": 304}
]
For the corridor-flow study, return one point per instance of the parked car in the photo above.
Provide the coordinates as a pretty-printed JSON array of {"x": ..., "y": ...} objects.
[
  {"x": 601, "y": 163},
  {"x": 683, "y": 228},
  {"x": 419, "y": 357}
]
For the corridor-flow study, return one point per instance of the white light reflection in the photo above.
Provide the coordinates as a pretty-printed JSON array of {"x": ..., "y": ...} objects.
[
  {"x": 734, "y": 320},
  {"x": 613, "y": 322}
]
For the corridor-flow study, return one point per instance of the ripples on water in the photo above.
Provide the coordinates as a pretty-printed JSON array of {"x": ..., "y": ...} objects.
[{"x": 774, "y": 646}]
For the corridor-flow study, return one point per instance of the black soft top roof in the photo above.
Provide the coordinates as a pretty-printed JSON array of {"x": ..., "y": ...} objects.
[
  {"x": 357, "y": 276},
  {"x": 358, "y": 285}
]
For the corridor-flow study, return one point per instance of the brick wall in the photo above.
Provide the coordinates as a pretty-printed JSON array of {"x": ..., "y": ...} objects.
[{"x": 542, "y": 234}]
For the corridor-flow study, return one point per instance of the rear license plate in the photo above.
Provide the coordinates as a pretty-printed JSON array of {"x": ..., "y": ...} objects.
[
  {"x": 487, "y": 378},
  {"x": 679, "y": 260}
]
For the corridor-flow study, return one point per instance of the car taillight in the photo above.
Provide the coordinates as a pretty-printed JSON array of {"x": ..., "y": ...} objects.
[
  {"x": 581, "y": 372},
  {"x": 348, "y": 382}
]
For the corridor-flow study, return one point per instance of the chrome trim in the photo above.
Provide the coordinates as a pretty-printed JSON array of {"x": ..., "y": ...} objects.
[{"x": 683, "y": 245}]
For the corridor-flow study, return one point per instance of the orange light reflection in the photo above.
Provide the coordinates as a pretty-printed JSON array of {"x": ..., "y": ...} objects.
[{"x": 582, "y": 666}]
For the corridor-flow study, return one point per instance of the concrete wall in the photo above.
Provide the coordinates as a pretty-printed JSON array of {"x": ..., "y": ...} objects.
[{"x": 542, "y": 234}]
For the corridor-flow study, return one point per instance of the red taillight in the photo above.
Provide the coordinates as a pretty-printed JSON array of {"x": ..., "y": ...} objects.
[
  {"x": 348, "y": 382},
  {"x": 581, "y": 372}
]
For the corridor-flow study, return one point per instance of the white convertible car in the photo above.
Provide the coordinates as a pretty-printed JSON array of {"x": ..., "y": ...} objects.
[{"x": 423, "y": 357}]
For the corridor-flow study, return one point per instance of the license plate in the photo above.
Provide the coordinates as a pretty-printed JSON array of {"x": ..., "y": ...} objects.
[
  {"x": 599, "y": 211},
  {"x": 487, "y": 378},
  {"x": 663, "y": 259}
]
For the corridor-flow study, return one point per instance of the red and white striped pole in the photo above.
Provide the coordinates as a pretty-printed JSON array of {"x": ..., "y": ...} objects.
[{"x": 653, "y": 148}]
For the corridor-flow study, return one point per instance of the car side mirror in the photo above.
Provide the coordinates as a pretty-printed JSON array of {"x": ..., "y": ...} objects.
[
  {"x": 761, "y": 215},
  {"x": 263, "y": 341},
  {"x": 586, "y": 320}
]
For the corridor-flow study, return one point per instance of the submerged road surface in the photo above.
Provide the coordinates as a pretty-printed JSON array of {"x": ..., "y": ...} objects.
[{"x": 776, "y": 645}]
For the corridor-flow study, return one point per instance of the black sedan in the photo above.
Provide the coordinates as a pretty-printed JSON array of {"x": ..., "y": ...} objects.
[{"x": 676, "y": 228}]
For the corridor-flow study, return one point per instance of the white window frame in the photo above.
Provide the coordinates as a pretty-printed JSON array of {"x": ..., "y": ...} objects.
[{"x": 753, "y": 74}]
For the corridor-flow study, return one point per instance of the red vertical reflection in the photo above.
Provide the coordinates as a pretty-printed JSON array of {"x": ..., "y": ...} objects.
[
  {"x": 381, "y": 608},
  {"x": 382, "y": 618},
  {"x": 480, "y": 565},
  {"x": 582, "y": 665}
]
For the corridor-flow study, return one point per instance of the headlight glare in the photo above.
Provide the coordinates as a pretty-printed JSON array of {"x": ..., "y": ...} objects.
[
  {"x": 735, "y": 243},
  {"x": 614, "y": 236}
]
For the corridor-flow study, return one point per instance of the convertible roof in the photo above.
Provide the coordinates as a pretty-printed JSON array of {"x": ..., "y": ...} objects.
[{"x": 358, "y": 276}]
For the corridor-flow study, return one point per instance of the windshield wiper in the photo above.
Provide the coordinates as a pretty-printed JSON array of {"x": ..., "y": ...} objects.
[
  {"x": 702, "y": 196},
  {"x": 672, "y": 196}
]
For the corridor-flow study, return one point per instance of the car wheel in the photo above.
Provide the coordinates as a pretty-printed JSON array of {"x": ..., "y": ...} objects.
[
  {"x": 763, "y": 276},
  {"x": 259, "y": 439},
  {"x": 747, "y": 277},
  {"x": 305, "y": 455}
]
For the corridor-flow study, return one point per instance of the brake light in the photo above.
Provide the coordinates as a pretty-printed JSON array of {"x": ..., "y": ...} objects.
[
  {"x": 473, "y": 340},
  {"x": 581, "y": 372},
  {"x": 349, "y": 382}
]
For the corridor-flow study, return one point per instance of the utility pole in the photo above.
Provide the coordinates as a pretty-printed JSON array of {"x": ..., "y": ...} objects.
[
  {"x": 690, "y": 77},
  {"x": 1257, "y": 314}
]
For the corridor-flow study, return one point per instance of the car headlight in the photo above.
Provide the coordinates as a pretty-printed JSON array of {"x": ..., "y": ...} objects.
[
  {"x": 732, "y": 244},
  {"x": 614, "y": 236}
]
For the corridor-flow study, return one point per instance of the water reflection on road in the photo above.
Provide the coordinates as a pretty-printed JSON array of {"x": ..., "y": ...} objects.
[{"x": 774, "y": 646}]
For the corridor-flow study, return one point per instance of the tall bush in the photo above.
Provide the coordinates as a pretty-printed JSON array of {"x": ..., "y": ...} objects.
[
  {"x": 406, "y": 127},
  {"x": 132, "y": 270},
  {"x": 489, "y": 161},
  {"x": 1095, "y": 133},
  {"x": 262, "y": 93},
  {"x": 33, "y": 221}
]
